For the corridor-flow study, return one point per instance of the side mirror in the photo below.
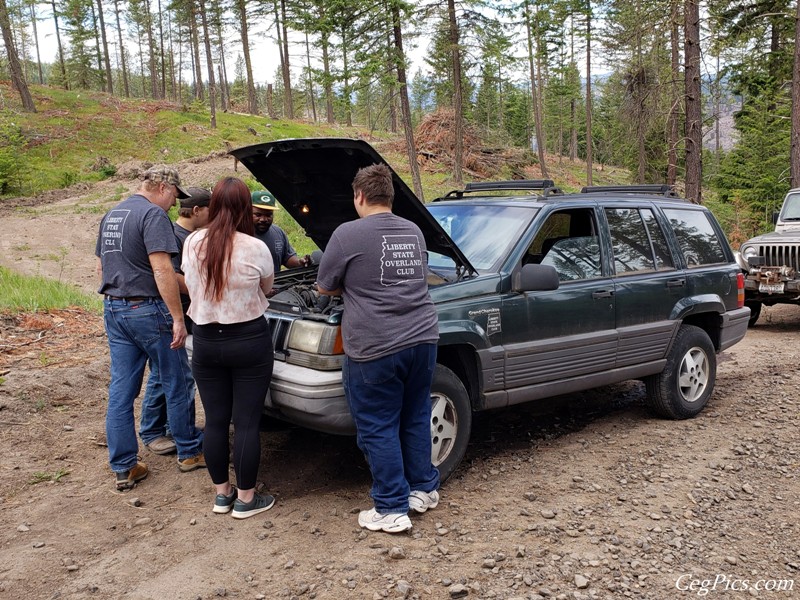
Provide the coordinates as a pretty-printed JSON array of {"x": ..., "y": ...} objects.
[
  {"x": 537, "y": 278},
  {"x": 775, "y": 215}
]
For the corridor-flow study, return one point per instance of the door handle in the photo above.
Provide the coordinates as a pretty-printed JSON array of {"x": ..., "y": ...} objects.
[
  {"x": 602, "y": 294},
  {"x": 676, "y": 283}
]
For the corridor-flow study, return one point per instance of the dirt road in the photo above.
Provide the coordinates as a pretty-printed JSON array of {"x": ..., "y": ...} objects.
[{"x": 584, "y": 496}]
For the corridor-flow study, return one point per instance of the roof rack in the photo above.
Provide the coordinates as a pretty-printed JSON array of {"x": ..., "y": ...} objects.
[
  {"x": 661, "y": 189},
  {"x": 547, "y": 186}
]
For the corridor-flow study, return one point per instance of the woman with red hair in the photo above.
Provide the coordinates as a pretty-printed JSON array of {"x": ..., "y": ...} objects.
[{"x": 229, "y": 273}]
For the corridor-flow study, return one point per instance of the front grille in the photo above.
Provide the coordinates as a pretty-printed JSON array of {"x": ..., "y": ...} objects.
[
  {"x": 280, "y": 333},
  {"x": 778, "y": 256}
]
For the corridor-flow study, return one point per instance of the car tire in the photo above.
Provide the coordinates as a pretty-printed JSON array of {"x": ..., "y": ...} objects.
[
  {"x": 451, "y": 421},
  {"x": 755, "y": 312},
  {"x": 683, "y": 388}
]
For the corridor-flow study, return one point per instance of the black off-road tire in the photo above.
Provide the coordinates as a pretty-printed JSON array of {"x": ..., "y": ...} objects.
[
  {"x": 451, "y": 421},
  {"x": 755, "y": 312},
  {"x": 683, "y": 388}
]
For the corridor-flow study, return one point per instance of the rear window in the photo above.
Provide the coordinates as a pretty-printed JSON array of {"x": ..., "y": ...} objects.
[{"x": 698, "y": 240}]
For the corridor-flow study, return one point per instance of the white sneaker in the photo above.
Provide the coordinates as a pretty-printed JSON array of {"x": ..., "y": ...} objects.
[
  {"x": 422, "y": 501},
  {"x": 390, "y": 522}
]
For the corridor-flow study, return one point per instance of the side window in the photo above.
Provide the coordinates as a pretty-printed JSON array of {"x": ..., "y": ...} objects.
[
  {"x": 698, "y": 241},
  {"x": 631, "y": 244},
  {"x": 568, "y": 242},
  {"x": 664, "y": 260}
]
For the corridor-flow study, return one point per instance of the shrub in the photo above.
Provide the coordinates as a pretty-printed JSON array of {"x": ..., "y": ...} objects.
[{"x": 11, "y": 143}]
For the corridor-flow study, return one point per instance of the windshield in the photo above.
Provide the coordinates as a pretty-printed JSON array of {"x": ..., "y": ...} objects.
[
  {"x": 484, "y": 233},
  {"x": 791, "y": 208}
]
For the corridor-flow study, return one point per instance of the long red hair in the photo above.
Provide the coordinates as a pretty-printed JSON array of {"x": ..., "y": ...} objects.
[{"x": 229, "y": 211}]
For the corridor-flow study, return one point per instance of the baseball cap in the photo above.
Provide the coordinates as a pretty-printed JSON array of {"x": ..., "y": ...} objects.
[
  {"x": 197, "y": 197},
  {"x": 159, "y": 173},
  {"x": 264, "y": 199}
]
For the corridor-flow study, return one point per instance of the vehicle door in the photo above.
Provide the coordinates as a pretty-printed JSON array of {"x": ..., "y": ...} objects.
[
  {"x": 647, "y": 284},
  {"x": 565, "y": 333}
]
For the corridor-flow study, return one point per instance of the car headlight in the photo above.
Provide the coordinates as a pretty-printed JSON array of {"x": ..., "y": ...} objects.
[
  {"x": 315, "y": 338},
  {"x": 749, "y": 251}
]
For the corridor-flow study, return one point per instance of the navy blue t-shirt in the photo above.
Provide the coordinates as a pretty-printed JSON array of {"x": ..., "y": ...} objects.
[{"x": 129, "y": 233}]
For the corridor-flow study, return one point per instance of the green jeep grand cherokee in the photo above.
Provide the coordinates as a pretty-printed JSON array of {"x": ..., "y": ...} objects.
[{"x": 538, "y": 292}]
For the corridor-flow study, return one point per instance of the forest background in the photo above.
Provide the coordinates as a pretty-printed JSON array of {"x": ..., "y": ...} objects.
[{"x": 520, "y": 73}]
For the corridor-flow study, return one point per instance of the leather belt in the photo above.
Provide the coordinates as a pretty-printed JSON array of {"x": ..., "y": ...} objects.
[{"x": 130, "y": 298}]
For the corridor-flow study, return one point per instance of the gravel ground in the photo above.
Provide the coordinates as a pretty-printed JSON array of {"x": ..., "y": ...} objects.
[{"x": 578, "y": 497}]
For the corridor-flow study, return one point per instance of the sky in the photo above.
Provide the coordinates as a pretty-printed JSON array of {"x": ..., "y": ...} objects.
[{"x": 263, "y": 51}]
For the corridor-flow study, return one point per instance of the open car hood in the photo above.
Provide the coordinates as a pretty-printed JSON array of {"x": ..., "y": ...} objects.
[{"x": 312, "y": 179}]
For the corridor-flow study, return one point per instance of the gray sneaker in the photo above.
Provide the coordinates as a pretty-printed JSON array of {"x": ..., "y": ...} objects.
[
  {"x": 390, "y": 522},
  {"x": 223, "y": 504},
  {"x": 422, "y": 501},
  {"x": 259, "y": 503}
]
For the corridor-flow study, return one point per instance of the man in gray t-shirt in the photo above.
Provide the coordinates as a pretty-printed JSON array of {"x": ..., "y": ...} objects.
[
  {"x": 144, "y": 322},
  {"x": 264, "y": 207},
  {"x": 378, "y": 264}
]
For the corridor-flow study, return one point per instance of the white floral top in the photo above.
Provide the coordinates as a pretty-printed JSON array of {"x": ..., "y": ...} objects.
[{"x": 243, "y": 299}]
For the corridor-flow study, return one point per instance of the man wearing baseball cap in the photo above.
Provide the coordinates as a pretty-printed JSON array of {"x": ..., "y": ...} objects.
[
  {"x": 153, "y": 426},
  {"x": 144, "y": 321},
  {"x": 264, "y": 207}
]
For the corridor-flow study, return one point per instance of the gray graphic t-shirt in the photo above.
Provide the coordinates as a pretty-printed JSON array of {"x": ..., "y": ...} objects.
[
  {"x": 380, "y": 264},
  {"x": 129, "y": 233},
  {"x": 278, "y": 243}
]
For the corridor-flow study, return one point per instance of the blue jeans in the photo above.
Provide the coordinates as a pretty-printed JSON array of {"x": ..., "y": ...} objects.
[
  {"x": 139, "y": 331},
  {"x": 390, "y": 400},
  {"x": 153, "y": 421}
]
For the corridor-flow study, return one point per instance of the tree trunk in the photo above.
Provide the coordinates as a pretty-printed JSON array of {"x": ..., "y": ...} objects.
[
  {"x": 161, "y": 49},
  {"x": 60, "y": 47},
  {"x": 694, "y": 132},
  {"x": 348, "y": 112},
  {"x": 152, "y": 65},
  {"x": 198, "y": 66},
  {"x": 458, "y": 109},
  {"x": 537, "y": 115},
  {"x": 212, "y": 92},
  {"x": 98, "y": 48},
  {"x": 17, "y": 78},
  {"x": 405, "y": 109},
  {"x": 794, "y": 155},
  {"x": 225, "y": 93},
  {"x": 36, "y": 43},
  {"x": 252, "y": 99},
  {"x": 125, "y": 83},
  {"x": 270, "y": 105},
  {"x": 106, "y": 57},
  {"x": 288, "y": 102},
  {"x": 141, "y": 60},
  {"x": 175, "y": 90},
  {"x": 326, "y": 68},
  {"x": 310, "y": 80},
  {"x": 589, "y": 140},
  {"x": 675, "y": 104}
]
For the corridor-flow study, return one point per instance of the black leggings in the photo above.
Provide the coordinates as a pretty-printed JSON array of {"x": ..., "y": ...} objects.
[{"x": 232, "y": 365}]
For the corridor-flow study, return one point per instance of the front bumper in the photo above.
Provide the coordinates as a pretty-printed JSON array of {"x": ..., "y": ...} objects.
[
  {"x": 753, "y": 290},
  {"x": 309, "y": 398}
]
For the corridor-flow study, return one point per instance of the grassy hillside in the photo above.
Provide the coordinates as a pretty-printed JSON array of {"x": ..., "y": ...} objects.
[{"x": 86, "y": 136}]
